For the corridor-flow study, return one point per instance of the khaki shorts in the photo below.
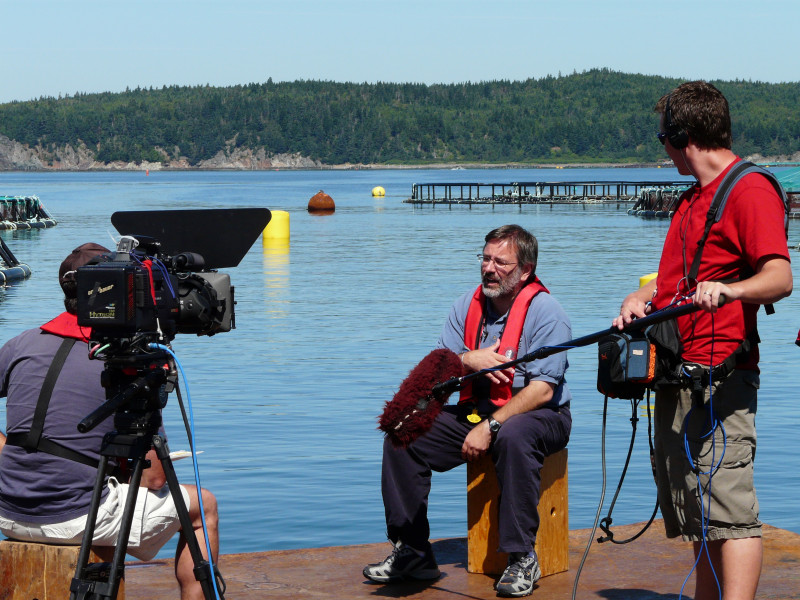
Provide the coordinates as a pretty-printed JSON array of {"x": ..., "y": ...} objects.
[
  {"x": 155, "y": 521},
  {"x": 730, "y": 506}
]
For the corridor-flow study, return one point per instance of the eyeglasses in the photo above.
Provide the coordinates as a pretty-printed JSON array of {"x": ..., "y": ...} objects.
[
  {"x": 501, "y": 265},
  {"x": 662, "y": 137}
]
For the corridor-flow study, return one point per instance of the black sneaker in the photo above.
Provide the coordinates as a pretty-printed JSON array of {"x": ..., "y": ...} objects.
[
  {"x": 520, "y": 575},
  {"x": 404, "y": 563}
]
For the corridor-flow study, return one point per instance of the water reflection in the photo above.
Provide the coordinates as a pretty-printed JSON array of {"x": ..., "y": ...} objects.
[{"x": 276, "y": 277}]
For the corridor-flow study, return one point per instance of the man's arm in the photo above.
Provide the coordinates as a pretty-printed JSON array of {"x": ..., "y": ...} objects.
[
  {"x": 154, "y": 477},
  {"x": 2, "y": 440},
  {"x": 772, "y": 281},
  {"x": 534, "y": 395}
]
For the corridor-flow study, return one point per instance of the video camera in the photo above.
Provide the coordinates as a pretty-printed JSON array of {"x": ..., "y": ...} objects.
[{"x": 163, "y": 279}]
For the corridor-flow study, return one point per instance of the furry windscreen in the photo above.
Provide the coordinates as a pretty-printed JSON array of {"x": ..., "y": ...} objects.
[{"x": 414, "y": 407}]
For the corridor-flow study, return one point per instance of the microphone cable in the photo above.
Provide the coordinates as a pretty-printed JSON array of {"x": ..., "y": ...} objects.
[{"x": 714, "y": 466}]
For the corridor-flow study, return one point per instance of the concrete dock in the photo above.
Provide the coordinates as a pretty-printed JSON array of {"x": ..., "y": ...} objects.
[{"x": 650, "y": 568}]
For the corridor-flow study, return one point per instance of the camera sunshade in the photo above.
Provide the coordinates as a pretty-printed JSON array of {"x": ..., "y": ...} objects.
[{"x": 221, "y": 235}]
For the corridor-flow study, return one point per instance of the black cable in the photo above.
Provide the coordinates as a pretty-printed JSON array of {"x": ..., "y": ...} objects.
[
  {"x": 605, "y": 523},
  {"x": 183, "y": 414}
]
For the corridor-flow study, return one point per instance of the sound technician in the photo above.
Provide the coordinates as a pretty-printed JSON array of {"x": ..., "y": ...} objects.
[
  {"x": 45, "y": 491},
  {"x": 746, "y": 259}
]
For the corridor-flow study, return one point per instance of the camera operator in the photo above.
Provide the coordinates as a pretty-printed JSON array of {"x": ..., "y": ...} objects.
[{"x": 46, "y": 486}]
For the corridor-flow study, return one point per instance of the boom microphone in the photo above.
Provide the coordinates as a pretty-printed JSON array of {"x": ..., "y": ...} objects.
[
  {"x": 415, "y": 406},
  {"x": 418, "y": 402}
]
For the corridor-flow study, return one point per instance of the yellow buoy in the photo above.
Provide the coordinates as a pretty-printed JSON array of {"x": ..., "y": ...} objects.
[
  {"x": 277, "y": 228},
  {"x": 645, "y": 279},
  {"x": 378, "y": 191}
]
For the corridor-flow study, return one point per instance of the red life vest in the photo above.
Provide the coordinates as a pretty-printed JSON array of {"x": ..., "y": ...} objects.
[
  {"x": 66, "y": 325},
  {"x": 509, "y": 340}
]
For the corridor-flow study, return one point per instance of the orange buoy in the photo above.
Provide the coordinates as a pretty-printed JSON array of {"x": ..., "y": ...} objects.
[{"x": 321, "y": 203}]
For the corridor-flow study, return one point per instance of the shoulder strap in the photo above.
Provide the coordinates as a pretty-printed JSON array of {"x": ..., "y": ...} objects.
[
  {"x": 714, "y": 213},
  {"x": 739, "y": 171},
  {"x": 35, "y": 433},
  {"x": 33, "y": 441},
  {"x": 719, "y": 201}
]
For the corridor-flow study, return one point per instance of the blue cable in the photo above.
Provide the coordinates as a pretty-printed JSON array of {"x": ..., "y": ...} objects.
[
  {"x": 714, "y": 466},
  {"x": 194, "y": 463}
]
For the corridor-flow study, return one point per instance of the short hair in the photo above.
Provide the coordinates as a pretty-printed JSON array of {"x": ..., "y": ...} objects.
[
  {"x": 525, "y": 243},
  {"x": 80, "y": 256},
  {"x": 700, "y": 109}
]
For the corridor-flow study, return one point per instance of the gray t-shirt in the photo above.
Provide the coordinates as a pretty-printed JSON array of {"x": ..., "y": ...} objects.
[
  {"x": 546, "y": 324},
  {"x": 37, "y": 487}
]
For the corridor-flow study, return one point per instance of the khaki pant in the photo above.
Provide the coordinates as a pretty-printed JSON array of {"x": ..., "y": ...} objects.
[{"x": 694, "y": 465}]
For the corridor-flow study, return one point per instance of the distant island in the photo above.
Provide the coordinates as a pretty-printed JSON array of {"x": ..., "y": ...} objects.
[{"x": 595, "y": 118}]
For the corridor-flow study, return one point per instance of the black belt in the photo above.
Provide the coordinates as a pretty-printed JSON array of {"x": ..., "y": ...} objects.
[
  {"x": 696, "y": 378},
  {"x": 691, "y": 372}
]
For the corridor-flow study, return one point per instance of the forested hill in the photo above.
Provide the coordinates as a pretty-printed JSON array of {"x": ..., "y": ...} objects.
[{"x": 595, "y": 116}]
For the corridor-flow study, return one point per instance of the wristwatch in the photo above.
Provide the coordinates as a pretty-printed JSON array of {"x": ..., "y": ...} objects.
[{"x": 494, "y": 425}]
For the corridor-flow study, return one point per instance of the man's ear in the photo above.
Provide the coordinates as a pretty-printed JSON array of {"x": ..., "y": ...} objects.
[{"x": 526, "y": 275}]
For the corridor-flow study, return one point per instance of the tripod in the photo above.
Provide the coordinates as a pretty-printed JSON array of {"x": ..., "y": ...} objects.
[{"x": 137, "y": 419}]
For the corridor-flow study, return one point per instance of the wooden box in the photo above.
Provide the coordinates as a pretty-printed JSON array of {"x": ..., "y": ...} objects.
[
  {"x": 552, "y": 540},
  {"x": 31, "y": 571}
]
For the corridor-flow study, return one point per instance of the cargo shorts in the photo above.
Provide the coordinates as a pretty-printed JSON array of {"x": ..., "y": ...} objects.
[{"x": 705, "y": 482}]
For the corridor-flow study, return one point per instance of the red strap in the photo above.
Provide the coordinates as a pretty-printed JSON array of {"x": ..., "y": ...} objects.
[
  {"x": 509, "y": 340},
  {"x": 148, "y": 265}
]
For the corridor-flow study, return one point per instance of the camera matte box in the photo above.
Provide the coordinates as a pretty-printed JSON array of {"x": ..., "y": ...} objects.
[{"x": 222, "y": 236}]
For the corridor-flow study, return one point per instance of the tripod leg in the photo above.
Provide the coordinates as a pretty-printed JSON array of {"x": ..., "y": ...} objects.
[
  {"x": 81, "y": 586},
  {"x": 202, "y": 567},
  {"x": 77, "y": 589}
]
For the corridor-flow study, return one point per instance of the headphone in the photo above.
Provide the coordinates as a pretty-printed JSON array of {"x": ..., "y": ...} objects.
[{"x": 677, "y": 136}]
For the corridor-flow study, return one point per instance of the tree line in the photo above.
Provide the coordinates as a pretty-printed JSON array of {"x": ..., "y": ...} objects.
[{"x": 594, "y": 116}]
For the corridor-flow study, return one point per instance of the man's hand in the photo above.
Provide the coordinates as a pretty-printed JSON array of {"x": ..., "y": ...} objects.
[
  {"x": 488, "y": 358},
  {"x": 707, "y": 295},
  {"x": 477, "y": 442},
  {"x": 635, "y": 306}
]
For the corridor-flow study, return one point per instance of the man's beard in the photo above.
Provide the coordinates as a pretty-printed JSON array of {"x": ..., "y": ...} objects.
[{"x": 506, "y": 287}]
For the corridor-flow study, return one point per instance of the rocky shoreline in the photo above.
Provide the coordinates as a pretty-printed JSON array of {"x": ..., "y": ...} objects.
[{"x": 18, "y": 157}]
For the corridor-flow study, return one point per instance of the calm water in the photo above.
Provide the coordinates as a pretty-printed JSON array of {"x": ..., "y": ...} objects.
[{"x": 286, "y": 405}]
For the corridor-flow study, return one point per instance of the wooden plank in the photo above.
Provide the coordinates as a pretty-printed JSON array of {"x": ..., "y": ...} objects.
[{"x": 552, "y": 541}]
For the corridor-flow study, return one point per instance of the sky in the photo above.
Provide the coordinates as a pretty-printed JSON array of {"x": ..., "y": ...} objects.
[{"x": 61, "y": 47}]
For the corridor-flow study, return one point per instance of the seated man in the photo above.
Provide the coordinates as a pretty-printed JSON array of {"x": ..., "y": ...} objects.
[
  {"x": 519, "y": 415},
  {"x": 45, "y": 494}
]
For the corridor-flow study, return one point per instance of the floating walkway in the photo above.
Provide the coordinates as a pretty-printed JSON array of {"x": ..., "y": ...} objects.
[
  {"x": 650, "y": 567},
  {"x": 651, "y": 199},
  {"x": 23, "y": 212},
  {"x": 537, "y": 192}
]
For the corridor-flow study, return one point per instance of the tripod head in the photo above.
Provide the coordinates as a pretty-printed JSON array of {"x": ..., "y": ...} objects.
[{"x": 137, "y": 387}]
